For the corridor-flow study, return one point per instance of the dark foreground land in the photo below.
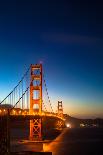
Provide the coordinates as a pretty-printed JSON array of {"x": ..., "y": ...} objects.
[{"x": 80, "y": 141}]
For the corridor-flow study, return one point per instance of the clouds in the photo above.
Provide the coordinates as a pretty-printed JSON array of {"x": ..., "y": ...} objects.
[{"x": 69, "y": 39}]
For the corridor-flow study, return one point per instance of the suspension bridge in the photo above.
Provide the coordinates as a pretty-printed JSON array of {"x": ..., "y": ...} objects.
[{"x": 30, "y": 100}]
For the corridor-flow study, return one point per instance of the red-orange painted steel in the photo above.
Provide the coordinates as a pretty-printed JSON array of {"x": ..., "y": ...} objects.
[
  {"x": 36, "y": 101},
  {"x": 60, "y": 109}
]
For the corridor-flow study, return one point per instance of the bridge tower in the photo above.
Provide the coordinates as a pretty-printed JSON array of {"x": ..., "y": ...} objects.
[
  {"x": 60, "y": 123},
  {"x": 36, "y": 102},
  {"x": 60, "y": 108}
]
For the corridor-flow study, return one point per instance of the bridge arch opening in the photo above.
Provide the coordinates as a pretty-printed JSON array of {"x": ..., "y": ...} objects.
[
  {"x": 36, "y": 107},
  {"x": 36, "y": 94}
]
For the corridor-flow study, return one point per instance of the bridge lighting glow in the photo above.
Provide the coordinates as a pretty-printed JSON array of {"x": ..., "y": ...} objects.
[
  {"x": 4, "y": 110},
  {"x": 19, "y": 111},
  {"x": 42, "y": 113},
  {"x": 68, "y": 125},
  {"x": 14, "y": 111},
  {"x": 0, "y": 111}
]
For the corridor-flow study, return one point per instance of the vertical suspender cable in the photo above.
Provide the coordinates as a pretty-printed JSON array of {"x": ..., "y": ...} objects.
[{"x": 22, "y": 93}]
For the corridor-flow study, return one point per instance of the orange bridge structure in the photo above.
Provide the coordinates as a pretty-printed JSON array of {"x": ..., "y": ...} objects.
[{"x": 26, "y": 101}]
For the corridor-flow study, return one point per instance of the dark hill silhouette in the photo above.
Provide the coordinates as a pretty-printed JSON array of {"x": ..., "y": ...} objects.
[{"x": 76, "y": 122}]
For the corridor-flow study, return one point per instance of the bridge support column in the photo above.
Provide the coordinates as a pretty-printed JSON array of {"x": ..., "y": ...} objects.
[
  {"x": 60, "y": 125},
  {"x": 4, "y": 134},
  {"x": 36, "y": 129},
  {"x": 36, "y": 102}
]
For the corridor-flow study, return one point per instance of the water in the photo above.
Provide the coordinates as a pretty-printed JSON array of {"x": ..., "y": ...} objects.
[{"x": 77, "y": 142}]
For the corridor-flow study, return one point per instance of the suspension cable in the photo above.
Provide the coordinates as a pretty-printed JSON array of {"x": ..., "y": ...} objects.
[
  {"x": 47, "y": 93},
  {"x": 16, "y": 86},
  {"x": 44, "y": 106},
  {"x": 20, "y": 98}
]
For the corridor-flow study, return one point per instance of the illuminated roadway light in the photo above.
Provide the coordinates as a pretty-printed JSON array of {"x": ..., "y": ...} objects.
[
  {"x": 68, "y": 126},
  {"x": 4, "y": 110},
  {"x": 42, "y": 113},
  {"x": 25, "y": 111},
  {"x": 14, "y": 111},
  {"x": 19, "y": 111}
]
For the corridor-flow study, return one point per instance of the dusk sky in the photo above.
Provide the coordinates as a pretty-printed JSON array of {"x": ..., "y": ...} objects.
[{"x": 67, "y": 36}]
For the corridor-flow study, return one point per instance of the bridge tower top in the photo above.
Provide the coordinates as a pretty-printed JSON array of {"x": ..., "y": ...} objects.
[{"x": 36, "y": 89}]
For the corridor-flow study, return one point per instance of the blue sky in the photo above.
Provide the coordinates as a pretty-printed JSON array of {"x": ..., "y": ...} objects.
[{"x": 67, "y": 37}]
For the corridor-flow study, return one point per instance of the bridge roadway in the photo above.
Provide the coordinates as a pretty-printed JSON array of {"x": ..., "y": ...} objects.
[
  {"x": 30, "y": 117},
  {"x": 19, "y": 114}
]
